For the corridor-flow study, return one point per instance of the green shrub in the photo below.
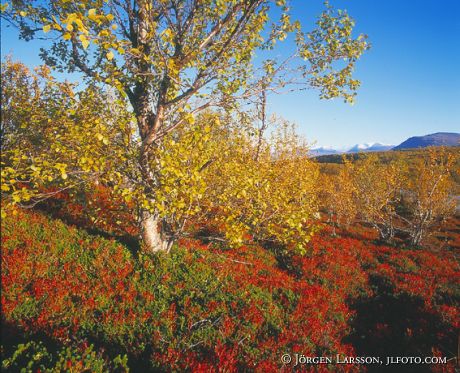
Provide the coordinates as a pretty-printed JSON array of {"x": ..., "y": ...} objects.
[{"x": 35, "y": 357}]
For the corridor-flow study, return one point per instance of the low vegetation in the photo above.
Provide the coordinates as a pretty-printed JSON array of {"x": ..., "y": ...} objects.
[{"x": 75, "y": 300}]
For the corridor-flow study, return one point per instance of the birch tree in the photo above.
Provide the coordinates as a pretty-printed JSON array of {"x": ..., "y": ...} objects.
[
  {"x": 379, "y": 188},
  {"x": 430, "y": 194},
  {"x": 172, "y": 59}
]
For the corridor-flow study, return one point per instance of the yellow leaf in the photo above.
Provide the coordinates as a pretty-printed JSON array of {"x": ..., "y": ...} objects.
[
  {"x": 84, "y": 41},
  {"x": 110, "y": 56},
  {"x": 46, "y": 28},
  {"x": 67, "y": 36},
  {"x": 79, "y": 24},
  {"x": 92, "y": 12},
  {"x": 71, "y": 17},
  {"x": 22, "y": 13}
]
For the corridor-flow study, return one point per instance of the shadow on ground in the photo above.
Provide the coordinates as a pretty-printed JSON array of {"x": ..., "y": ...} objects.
[{"x": 398, "y": 325}]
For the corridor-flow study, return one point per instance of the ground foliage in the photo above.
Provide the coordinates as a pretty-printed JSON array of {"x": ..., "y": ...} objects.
[{"x": 70, "y": 295}]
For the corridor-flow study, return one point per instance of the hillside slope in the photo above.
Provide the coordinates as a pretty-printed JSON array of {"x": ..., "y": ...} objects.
[
  {"x": 240, "y": 310},
  {"x": 435, "y": 139}
]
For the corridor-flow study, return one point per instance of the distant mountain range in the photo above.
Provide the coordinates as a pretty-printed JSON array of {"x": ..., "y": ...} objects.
[
  {"x": 371, "y": 147},
  {"x": 435, "y": 139},
  {"x": 367, "y": 147},
  {"x": 324, "y": 150}
]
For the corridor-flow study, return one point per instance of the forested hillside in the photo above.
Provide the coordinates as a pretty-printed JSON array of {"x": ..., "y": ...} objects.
[{"x": 158, "y": 216}]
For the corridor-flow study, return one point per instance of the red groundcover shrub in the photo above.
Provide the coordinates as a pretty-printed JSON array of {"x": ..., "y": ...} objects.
[{"x": 85, "y": 301}]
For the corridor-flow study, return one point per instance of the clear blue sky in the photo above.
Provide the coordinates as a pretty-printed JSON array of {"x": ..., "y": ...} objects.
[{"x": 410, "y": 77}]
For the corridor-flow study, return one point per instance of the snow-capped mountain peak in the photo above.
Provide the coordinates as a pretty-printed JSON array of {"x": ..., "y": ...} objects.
[
  {"x": 368, "y": 147},
  {"x": 435, "y": 139},
  {"x": 364, "y": 147}
]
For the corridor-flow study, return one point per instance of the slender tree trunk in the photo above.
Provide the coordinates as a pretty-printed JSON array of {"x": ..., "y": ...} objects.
[
  {"x": 418, "y": 231},
  {"x": 387, "y": 233},
  {"x": 417, "y": 236},
  {"x": 263, "y": 122},
  {"x": 152, "y": 233},
  {"x": 152, "y": 227}
]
